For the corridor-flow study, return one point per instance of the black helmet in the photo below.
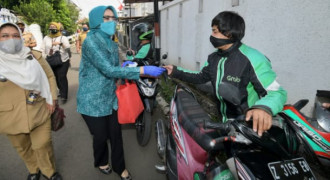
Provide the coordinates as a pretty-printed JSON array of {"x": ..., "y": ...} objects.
[{"x": 144, "y": 31}]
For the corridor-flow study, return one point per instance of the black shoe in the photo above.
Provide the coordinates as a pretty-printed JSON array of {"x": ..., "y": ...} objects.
[
  {"x": 35, "y": 176},
  {"x": 128, "y": 177},
  {"x": 107, "y": 170},
  {"x": 56, "y": 176},
  {"x": 62, "y": 101}
]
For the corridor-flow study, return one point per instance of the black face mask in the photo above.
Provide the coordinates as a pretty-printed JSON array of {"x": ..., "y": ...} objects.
[
  {"x": 53, "y": 31},
  {"x": 217, "y": 42}
]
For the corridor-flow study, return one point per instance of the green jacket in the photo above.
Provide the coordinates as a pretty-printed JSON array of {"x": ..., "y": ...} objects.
[{"x": 241, "y": 72}]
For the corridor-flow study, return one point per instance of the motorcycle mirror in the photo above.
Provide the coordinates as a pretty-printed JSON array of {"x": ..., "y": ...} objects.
[
  {"x": 129, "y": 53},
  {"x": 3, "y": 78},
  {"x": 164, "y": 56}
]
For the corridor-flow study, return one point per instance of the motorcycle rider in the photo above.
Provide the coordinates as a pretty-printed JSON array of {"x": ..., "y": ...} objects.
[
  {"x": 235, "y": 63},
  {"x": 144, "y": 33}
]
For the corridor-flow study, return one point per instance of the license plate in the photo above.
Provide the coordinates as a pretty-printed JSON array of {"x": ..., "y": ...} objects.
[{"x": 291, "y": 169}]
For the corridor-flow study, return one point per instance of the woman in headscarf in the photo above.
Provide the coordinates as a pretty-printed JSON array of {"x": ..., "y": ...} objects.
[
  {"x": 54, "y": 41},
  {"x": 96, "y": 98},
  {"x": 28, "y": 95}
]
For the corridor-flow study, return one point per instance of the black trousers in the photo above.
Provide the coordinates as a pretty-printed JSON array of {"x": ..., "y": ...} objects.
[
  {"x": 102, "y": 129},
  {"x": 60, "y": 73}
]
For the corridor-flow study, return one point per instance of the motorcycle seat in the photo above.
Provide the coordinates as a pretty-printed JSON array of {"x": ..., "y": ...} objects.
[{"x": 191, "y": 116}]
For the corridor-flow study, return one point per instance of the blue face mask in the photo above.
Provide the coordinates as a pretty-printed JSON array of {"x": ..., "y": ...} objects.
[
  {"x": 109, "y": 27},
  {"x": 85, "y": 28}
]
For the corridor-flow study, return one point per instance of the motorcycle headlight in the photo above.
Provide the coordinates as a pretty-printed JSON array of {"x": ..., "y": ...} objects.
[
  {"x": 148, "y": 91},
  {"x": 147, "y": 86}
]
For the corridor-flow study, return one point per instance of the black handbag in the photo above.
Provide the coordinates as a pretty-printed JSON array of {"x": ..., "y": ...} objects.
[
  {"x": 55, "y": 59},
  {"x": 57, "y": 118}
]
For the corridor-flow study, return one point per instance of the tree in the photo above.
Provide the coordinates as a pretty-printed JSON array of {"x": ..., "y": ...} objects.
[
  {"x": 37, "y": 11},
  {"x": 9, "y": 4},
  {"x": 66, "y": 13},
  {"x": 43, "y": 12}
]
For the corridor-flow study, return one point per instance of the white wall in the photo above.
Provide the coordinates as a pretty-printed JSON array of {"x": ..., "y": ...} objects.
[{"x": 293, "y": 34}]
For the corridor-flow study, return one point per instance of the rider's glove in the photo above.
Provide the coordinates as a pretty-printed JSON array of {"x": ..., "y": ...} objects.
[
  {"x": 153, "y": 70},
  {"x": 127, "y": 63}
]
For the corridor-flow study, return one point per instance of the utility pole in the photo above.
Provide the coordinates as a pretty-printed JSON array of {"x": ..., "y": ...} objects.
[{"x": 157, "y": 32}]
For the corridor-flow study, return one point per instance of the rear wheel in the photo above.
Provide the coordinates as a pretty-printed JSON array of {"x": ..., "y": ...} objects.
[{"x": 143, "y": 128}]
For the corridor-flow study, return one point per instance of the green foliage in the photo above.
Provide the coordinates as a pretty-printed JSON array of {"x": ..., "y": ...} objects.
[
  {"x": 9, "y": 4},
  {"x": 43, "y": 12},
  {"x": 167, "y": 88},
  {"x": 37, "y": 11}
]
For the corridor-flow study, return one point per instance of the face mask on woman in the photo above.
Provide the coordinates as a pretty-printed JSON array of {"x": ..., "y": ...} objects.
[
  {"x": 85, "y": 29},
  {"x": 109, "y": 27},
  {"x": 53, "y": 31},
  {"x": 11, "y": 46}
]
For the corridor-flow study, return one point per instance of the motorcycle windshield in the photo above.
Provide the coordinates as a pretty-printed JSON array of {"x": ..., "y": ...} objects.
[{"x": 322, "y": 116}]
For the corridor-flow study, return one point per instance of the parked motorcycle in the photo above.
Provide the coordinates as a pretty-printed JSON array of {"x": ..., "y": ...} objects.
[
  {"x": 148, "y": 89},
  {"x": 190, "y": 142},
  {"x": 313, "y": 133}
]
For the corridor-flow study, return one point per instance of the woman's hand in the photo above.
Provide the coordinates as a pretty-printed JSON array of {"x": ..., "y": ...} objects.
[
  {"x": 169, "y": 69},
  {"x": 262, "y": 121},
  {"x": 51, "y": 108}
]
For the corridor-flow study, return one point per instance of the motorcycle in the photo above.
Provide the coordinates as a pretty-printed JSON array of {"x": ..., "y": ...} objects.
[
  {"x": 148, "y": 89},
  {"x": 190, "y": 142},
  {"x": 313, "y": 133}
]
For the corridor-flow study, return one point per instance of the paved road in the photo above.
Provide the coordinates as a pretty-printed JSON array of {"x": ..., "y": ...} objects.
[{"x": 73, "y": 147}]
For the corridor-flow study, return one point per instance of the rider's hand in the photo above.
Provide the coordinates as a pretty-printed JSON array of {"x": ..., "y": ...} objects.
[
  {"x": 326, "y": 105},
  {"x": 127, "y": 63},
  {"x": 169, "y": 69},
  {"x": 262, "y": 121},
  {"x": 153, "y": 70}
]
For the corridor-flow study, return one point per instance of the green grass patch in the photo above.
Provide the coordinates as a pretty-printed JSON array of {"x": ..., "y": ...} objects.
[{"x": 167, "y": 87}]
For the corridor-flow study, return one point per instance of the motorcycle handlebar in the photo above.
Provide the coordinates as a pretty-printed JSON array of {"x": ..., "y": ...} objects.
[
  {"x": 223, "y": 127},
  {"x": 222, "y": 139}
]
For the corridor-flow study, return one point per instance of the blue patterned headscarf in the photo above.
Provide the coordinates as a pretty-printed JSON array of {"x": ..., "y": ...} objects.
[{"x": 96, "y": 18}]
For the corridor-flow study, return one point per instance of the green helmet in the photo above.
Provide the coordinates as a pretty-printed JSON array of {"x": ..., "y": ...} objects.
[{"x": 144, "y": 31}]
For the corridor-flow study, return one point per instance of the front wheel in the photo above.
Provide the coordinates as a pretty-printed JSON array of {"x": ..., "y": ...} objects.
[{"x": 143, "y": 128}]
